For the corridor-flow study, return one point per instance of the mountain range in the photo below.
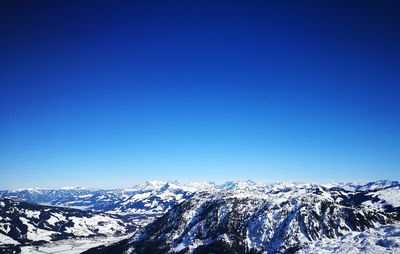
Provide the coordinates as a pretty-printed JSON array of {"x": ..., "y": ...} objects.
[{"x": 233, "y": 217}]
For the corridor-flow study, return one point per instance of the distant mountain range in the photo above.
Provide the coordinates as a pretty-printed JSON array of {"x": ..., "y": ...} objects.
[{"x": 234, "y": 217}]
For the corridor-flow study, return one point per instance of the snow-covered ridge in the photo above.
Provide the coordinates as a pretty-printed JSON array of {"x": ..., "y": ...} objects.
[
  {"x": 23, "y": 223},
  {"x": 155, "y": 185},
  {"x": 274, "y": 218},
  {"x": 266, "y": 211},
  {"x": 154, "y": 198}
]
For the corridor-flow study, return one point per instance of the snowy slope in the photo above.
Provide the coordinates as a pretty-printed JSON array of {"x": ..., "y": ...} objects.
[
  {"x": 241, "y": 216},
  {"x": 275, "y": 218},
  {"x": 25, "y": 223},
  {"x": 384, "y": 239}
]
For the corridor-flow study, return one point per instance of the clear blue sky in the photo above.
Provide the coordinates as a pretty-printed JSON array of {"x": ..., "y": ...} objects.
[{"x": 109, "y": 94}]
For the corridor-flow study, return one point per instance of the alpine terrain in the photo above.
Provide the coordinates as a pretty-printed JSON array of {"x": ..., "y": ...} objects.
[{"x": 234, "y": 217}]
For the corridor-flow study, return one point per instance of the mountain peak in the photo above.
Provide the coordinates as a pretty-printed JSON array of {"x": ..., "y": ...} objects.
[{"x": 73, "y": 188}]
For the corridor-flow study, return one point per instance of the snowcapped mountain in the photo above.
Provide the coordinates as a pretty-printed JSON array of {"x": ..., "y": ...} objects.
[
  {"x": 151, "y": 200},
  {"x": 155, "y": 197},
  {"x": 82, "y": 198},
  {"x": 274, "y": 218},
  {"x": 24, "y": 223},
  {"x": 233, "y": 217},
  {"x": 141, "y": 203}
]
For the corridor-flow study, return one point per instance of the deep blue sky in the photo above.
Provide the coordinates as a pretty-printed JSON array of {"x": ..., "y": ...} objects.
[{"x": 109, "y": 94}]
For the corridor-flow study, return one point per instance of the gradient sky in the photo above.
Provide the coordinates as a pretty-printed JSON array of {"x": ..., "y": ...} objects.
[{"x": 110, "y": 94}]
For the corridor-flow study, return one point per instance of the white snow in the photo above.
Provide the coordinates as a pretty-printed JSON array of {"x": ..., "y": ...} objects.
[
  {"x": 85, "y": 196},
  {"x": 37, "y": 234},
  {"x": 32, "y": 214},
  {"x": 87, "y": 226},
  {"x": 73, "y": 188},
  {"x": 6, "y": 240},
  {"x": 71, "y": 246},
  {"x": 385, "y": 239},
  {"x": 55, "y": 217},
  {"x": 5, "y": 227},
  {"x": 391, "y": 196}
]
